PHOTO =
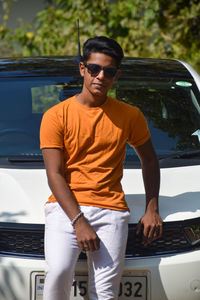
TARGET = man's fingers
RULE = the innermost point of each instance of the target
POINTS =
(151, 233)
(90, 244)
(87, 238)
(158, 230)
(151, 227)
(147, 236)
(146, 231)
(161, 230)
(139, 227)
(94, 244)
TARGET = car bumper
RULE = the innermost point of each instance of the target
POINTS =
(174, 277)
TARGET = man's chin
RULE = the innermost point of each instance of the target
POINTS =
(99, 93)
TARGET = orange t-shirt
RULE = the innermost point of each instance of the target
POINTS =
(94, 144)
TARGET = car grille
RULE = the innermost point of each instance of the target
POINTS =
(22, 239)
(174, 240)
(27, 240)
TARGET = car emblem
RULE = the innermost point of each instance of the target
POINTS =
(197, 132)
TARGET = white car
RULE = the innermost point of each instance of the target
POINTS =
(168, 93)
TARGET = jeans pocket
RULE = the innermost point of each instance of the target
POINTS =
(50, 208)
(56, 218)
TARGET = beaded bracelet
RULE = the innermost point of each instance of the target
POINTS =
(76, 218)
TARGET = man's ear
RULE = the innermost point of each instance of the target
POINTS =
(82, 68)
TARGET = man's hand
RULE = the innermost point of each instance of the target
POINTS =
(151, 225)
(87, 238)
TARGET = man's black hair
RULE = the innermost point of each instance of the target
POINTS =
(102, 44)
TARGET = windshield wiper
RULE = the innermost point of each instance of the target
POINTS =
(182, 155)
(25, 158)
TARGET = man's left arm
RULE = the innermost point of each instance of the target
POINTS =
(151, 222)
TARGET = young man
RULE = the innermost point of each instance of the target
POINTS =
(83, 140)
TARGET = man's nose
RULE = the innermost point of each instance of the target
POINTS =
(101, 74)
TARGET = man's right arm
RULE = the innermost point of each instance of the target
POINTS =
(54, 163)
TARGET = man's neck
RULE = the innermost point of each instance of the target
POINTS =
(89, 100)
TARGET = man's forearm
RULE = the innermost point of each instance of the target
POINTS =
(63, 194)
(151, 178)
(151, 223)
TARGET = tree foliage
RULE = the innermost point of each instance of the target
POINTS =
(144, 28)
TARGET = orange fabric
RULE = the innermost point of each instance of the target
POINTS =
(94, 144)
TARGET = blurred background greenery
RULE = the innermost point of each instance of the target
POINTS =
(144, 28)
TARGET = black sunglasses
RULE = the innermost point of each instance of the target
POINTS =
(94, 70)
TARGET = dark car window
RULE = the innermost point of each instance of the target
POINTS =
(22, 104)
(169, 101)
(172, 110)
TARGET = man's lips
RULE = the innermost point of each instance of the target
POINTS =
(98, 85)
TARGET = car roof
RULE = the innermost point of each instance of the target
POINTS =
(34, 66)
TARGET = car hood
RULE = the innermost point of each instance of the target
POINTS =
(24, 193)
(179, 193)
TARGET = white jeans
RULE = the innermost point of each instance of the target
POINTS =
(105, 265)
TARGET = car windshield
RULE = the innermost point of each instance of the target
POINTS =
(170, 105)
(22, 104)
(172, 109)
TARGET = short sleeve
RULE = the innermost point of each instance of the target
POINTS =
(51, 130)
(139, 131)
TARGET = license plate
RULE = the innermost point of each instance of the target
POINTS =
(132, 287)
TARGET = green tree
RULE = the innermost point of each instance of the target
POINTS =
(6, 46)
(179, 22)
(144, 28)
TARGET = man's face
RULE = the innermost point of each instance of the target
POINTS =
(99, 84)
